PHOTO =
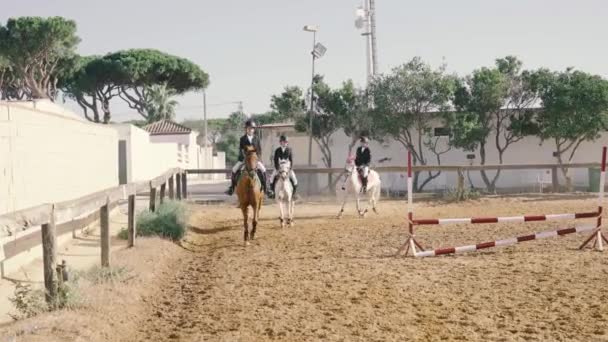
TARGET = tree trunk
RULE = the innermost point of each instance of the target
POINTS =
(482, 155)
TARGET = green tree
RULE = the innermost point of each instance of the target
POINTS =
(406, 104)
(36, 49)
(231, 130)
(143, 68)
(160, 105)
(289, 104)
(575, 109)
(12, 86)
(493, 101)
(93, 83)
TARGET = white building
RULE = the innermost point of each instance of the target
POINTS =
(529, 150)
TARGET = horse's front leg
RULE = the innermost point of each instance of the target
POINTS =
(245, 211)
(361, 213)
(291, 205)
(282, 211)
(256, 215)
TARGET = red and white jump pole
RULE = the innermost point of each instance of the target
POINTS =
(411, 242)
(597, 234)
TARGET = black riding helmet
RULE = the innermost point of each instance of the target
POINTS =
(364, 139)
(283, 138)
(250, 123)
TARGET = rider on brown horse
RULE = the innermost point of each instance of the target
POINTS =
(249, 139)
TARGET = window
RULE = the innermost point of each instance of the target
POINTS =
(441, 131)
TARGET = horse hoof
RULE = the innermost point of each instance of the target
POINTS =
(247, 243)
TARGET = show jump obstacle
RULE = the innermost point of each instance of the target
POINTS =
(597, 235)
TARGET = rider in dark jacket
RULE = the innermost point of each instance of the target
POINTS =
(284, 153)
(249, 139)
(362, 161)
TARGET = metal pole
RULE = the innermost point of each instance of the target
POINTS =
(368, 41)
(312, 83)
(372, 21)
(205, 122)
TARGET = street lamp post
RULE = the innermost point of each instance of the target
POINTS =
(318, 50)
(313, 29)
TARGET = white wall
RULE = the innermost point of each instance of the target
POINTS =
(49, 154)
(145, 160)
(526, 151)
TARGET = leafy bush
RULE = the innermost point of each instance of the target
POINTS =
(168, 221)
(30, 302)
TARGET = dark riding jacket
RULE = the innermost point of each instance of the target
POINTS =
(279, 154)
(244, 142)
(364, 156)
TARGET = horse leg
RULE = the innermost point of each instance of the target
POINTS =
(245, 211)
(342, 208)
(282, 218)
(291, 209)
(359, 206)
(256, 214)
(375, 197)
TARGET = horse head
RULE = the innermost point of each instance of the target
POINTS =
(251, 157)
(284, 168)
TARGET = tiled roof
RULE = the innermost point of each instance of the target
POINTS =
(166, 127)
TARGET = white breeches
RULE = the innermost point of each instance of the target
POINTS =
(239, 164)
(364, 170)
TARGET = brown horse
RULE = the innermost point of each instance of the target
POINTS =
(249, 192)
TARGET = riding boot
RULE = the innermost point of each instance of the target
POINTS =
(262, 176)
(295, 189)
(230, 190)
(271, 193)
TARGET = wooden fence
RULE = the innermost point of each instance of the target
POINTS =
(460, 169)
(48, 216)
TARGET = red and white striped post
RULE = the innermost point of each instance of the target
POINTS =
(598, 236)
(411, 242)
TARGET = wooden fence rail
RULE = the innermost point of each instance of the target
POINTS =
(48, 216)
(459, 169)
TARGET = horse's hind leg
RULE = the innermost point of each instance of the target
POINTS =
(342, 208)
(245, 211)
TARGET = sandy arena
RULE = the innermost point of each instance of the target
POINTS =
(330, 280)
(338, 280)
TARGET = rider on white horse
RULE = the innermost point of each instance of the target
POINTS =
(362, 161)
(281, 154)
(249, 139)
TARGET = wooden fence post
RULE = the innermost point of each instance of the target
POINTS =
(104, 222)
(171, 187)
(184, 185)
(152, 198)
(554, 179)
(131, 221)
(162, 192)
(49, 257)
(178, 186)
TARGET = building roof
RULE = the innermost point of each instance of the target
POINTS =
(166, 127)
(278, 125)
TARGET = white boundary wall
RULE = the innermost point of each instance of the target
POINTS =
(145, 160)
(49, 154)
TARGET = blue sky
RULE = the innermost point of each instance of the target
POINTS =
(252, 49)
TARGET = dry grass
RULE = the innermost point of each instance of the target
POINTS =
(109, 301)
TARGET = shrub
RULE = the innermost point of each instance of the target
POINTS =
(453, 195)
(168, 221)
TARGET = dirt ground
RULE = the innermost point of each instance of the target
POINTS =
(331, 280)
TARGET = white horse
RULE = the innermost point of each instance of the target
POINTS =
(284, 193)
(352, 186)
